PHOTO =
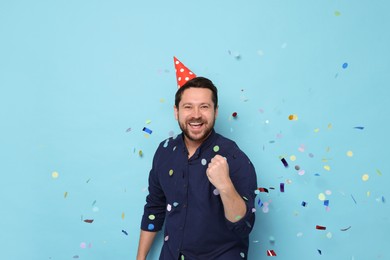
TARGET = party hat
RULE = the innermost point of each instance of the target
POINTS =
(183, 74)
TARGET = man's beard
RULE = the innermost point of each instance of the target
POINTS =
(184, 128)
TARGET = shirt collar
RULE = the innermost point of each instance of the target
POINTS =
(209, 140)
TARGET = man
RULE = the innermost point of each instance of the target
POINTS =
(201, 185)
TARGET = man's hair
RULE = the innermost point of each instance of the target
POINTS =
(198, 82)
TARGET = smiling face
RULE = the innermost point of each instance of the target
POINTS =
(196, 115)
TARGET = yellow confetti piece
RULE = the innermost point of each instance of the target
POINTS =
(321, 196)
(316, 130)
(349, 153)
(152, 217)
(170, 172)
(293, 117)
(365, 177)
(293, 158)
(140, 153)
(216, 148)
(148, 121)
(327, 167)
(368, 193)
(54, 175)
(330, 126)
(65, 194)
(337, 13)
(162, 100)
(146, 136)
(123, 215)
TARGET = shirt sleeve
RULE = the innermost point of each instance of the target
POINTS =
(243, 175)
(154, 210)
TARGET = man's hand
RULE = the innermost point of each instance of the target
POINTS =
(218, 173)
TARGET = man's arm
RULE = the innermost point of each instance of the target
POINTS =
(146, 239)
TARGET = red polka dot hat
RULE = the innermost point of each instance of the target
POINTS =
(183, 74)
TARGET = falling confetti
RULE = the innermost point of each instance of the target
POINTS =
(271, 253)
(345, 229)
(284, 162)
(123, 215)
(124, 232)
(65, 194)
(54, 175)
(88, 220)
(293, 117)
(349, 153)
(359, 127)
(345, 65)
(147, 130)
(365, 177)
(320, 227)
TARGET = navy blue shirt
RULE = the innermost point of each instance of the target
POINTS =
(181, 197)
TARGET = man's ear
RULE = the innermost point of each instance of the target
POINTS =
(176, 111)
(216, 112)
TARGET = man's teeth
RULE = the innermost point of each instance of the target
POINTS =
(195, 124)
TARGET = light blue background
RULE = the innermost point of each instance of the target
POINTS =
(75, 76)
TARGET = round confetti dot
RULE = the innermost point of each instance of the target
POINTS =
(349, 153)
(365, 177)
(321, 196)
(150, 226)
(152, 217)
(301, 172)
(169, 207)
(345, 65)
(265, 209)
(170, 172)
(83, 245)
(242, 255)
(267, 121)
(293, 158)
(203, 162)
(216, 192)
(329, 235)
(253, 210)
(327, 167)
(166, 238)
(288, 181)
(293, 117)
(257, 192)
(311, 155)
(328, 192)
(54, 175)
(234, 114)
(297, 167)
(337, 13)
(216, 148)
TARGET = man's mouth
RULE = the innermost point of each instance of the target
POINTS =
(196, 125)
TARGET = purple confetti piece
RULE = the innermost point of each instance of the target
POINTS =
(284, 162)
(282, 187)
